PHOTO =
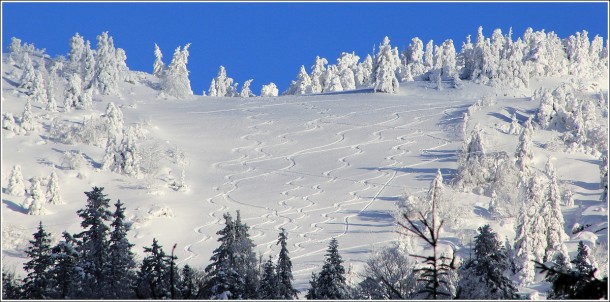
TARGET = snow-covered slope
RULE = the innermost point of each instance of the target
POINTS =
(320, 166)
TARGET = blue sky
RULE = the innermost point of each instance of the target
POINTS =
(270, 41)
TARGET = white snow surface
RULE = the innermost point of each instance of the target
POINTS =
(320, 166)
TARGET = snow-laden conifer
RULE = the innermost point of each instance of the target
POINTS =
(16, 186)
(73, 92)
(75, 56)
(158, 65)
(330, 282)
(106, 77)
(51, 105)
(53, 192)
(301, 86)
(318, 81)
(34, 202)
(27, 118)
(222, 85)
(28, 77)
(175, 81)
(65, 272)
(286, 290)
(121, 257)
(88, 66)
(384, 69)
(245, 90)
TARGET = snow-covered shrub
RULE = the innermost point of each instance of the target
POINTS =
(269, 90)
(74, 160)
(8, 121)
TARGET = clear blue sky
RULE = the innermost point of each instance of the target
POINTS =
(270, 41)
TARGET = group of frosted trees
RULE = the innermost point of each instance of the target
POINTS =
(35, 197)
(495, 61)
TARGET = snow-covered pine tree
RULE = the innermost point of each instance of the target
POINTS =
(222, 85)
(8, 122)
(429, 55)
(106, 77)
(364, 71)
(286, 291)
(347, 63)
(222, 278)
(553, 217)
(114, 119)
(14, 51)
(34, 202)
(85, 100)
(318, 81)
(568, 198)
(384, 69)
(484, 276)
(88, 66)
(514, 128)
(524, 265)
(73, 92)
(523, 154)
(75, 56)
(245, 90)
(175, 81)
(65, 272)
(158, 65)
(333, 80)
(330, 283)
(153, 280)
(268, 288)
(302, 85)
(36, 283)
(27, 118)
(127, 156)
(38, 91)
(28, 77)
(121, 258)
(51, 105)
(94, 244)
(16, 186)
(269, 90)
(449, 60)
(53, 192)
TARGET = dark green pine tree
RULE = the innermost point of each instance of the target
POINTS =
(66, 272)
(582, 262)
(11, 287)
(94, 244)
(561, 265)
(268, 289)
(188, 283)
(222, 278)
(312, 292)
(330, 284)
(284, 270)
(153, 280)
(122, 264)
(246, 263)
(36, 283)
(485, 276)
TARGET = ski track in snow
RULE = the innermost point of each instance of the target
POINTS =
(298, 211)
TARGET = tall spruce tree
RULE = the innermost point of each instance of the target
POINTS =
(330, 283)
(36, 283)
(484, 276)
(121, 257)
(222, 278)
(284, 269)
(246, 264)
(153, 281)
(66, 272)
(188, 286)
(94, 244)
(11, 287)
(269, 285)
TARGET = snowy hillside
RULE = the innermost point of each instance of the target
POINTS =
(330, 165)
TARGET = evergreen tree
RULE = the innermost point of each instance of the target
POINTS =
(175, 81)
(524, 153)
(27, 118)
(153, 281)
(114, 119)
(75, 56)
(284, 269)
(127, 155)
(35, 201)
(603, 175)
(384, 69)
(65, 272)
(36, 283)
(28, 78)
(302, 85)
(269, 285)
(105, 79)
(188, 283)
(582, 262)
(484, 276)
(16, 187)
(94, 244)
(330, 283)
(38, 91)
(245, 90)
(222, 277)
(318, 81)
(245, 261)
(553, 217)
(88, 66)
(158, 66)
(568, 198)
(53, 194)
(51, 100)
(269, 90)
(11, 287)
(73, 92)
(120, 256)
